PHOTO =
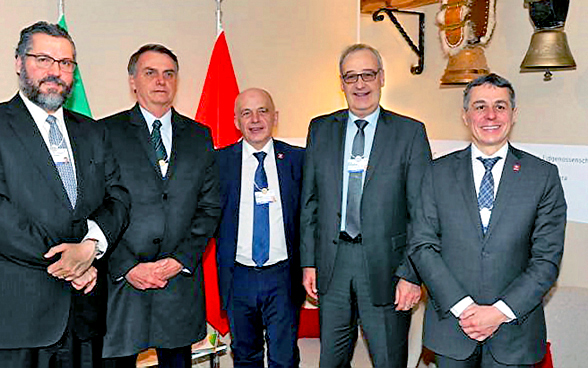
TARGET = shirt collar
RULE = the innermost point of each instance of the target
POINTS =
(249, 150)
(500, 153)
(38, 114)
(372, 118)
(150, 118)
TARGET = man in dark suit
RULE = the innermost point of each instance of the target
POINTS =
(488, 240)
(258, 239)
(61, 205)
(155, 285)
(362, 177)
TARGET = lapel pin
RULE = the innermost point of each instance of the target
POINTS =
(280, 156)
(516, 167)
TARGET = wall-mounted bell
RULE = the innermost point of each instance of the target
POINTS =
(549, 49)
(465, 66)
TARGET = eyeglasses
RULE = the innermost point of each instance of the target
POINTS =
(368, 76)
(46, 62)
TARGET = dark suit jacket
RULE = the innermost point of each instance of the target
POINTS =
(174, 218)
(35, 214)
(289, 161)
(517, 261)
(400, 153)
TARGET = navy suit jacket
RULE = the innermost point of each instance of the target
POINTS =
(289, 162)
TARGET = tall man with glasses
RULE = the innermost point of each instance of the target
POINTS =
(488, 240)
(155, 281)
(61, 206)
(362, 177)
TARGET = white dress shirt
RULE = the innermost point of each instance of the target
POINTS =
(350, 132)
(485, 214)
(166, 132)
(40, 117)
(278, 251)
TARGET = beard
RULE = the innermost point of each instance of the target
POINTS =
(48, 101)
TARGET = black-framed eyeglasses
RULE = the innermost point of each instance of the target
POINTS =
(46, 62)
(367, 76)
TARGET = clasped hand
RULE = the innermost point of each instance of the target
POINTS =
(153, 275)
(480, 322)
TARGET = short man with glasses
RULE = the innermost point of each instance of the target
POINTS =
(488, 240)
(155, 281)
(362, 177)
(62, 205)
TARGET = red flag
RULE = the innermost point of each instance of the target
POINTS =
(215, 110)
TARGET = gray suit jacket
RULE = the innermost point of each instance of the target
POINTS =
(174, 218)
(400, 153)
(517, 261)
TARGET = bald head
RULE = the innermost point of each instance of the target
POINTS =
(255, 116)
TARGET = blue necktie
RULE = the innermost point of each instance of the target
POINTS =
(65, 168)
(260, 215)
(355, 185)
(486, 193)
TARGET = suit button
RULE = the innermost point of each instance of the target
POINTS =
(484, 254)
(164, 196)
(156, 241)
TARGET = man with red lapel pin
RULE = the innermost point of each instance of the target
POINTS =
(258, 239)
(488, 240)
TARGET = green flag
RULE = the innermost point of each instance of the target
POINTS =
(77, 101)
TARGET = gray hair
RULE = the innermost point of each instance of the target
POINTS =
(493, 80)
(26, 37)
(358, 47)
(132, 67)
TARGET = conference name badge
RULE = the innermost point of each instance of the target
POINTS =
(59, 155)
(265, 196)
(357, 164)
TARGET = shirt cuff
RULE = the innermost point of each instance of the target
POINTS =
(505, 309)
(462, 305)
(95, 233)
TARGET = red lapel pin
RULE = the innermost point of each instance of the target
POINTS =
(280, 156)
(516, 167)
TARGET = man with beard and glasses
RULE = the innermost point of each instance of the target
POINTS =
(61, 206)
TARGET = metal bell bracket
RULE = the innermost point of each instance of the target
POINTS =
(420, 50)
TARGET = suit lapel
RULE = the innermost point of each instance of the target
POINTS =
(234, 195)
(384, 132)
(180, 143)
(465, 181)
(338, 151)
(143, 137)
(508, 183)
(27, 132)
(285, 181)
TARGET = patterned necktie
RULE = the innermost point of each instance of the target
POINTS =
(260, 215)
(355, 184)
(157, 142)
(486, 192)
(64, 166)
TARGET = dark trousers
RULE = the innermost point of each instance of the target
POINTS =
(261, 301)
(68, 352)
(166, 358)
(347, 304)
(481, 358)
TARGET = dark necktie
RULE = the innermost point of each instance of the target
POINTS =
(355, 184)
(486, 192)
(260, 215)
(65, 167)
(158, 142)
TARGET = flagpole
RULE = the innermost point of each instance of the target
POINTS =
(219, 17)
(61, 8)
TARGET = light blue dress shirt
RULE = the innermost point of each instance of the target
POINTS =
(351, 130)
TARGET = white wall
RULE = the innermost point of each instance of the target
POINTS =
(291, 48)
